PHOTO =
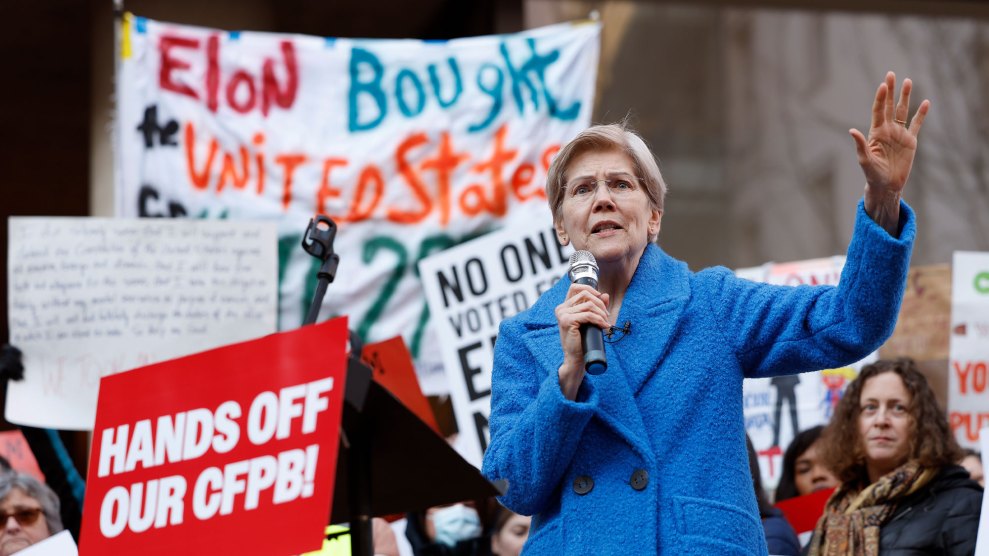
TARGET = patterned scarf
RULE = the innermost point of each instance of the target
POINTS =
(852, 518)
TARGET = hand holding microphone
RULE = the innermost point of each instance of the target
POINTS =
(582, 316)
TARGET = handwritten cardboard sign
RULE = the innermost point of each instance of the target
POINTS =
(968, 366)
(217, 447)
(924, 324)
(90, 297)
(471, 289)
(410, 146)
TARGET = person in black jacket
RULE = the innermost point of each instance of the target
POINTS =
(890, 445)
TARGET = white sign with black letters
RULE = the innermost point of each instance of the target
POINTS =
(470, 289)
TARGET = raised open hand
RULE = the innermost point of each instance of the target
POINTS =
(887, 155)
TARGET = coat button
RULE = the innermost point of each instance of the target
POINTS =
(639, 479)
(583, 484)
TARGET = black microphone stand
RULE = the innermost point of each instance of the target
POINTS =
(318, 242)
(320, 235)
(381, 441)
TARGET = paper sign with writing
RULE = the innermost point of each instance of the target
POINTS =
(218, 447)
(778, 408)
(471, 289)
(91, 297)
(410, 146)
(968, 365)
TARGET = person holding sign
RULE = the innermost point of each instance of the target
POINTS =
(650, 454)
(901, 492)
(28, 512)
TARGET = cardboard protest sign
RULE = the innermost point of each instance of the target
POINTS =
(410, 146)
(778, 408)
(471, 289)
(923, 326)
(216, 447)
(90, 297)
(968, 373)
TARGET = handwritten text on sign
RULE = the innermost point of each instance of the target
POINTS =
(410, 146)
(94, 297)
(216, 445)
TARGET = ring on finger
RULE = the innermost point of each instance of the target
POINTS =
(901, 122)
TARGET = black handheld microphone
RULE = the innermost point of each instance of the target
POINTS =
(584, 270)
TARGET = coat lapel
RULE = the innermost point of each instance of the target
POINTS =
(653, 304)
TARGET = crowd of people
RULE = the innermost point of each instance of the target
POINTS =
(649, 453)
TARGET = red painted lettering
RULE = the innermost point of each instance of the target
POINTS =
(259, 160)
(170, 63)
(370, 177)
(972, 375)
(445, 162)
(242, 91)
(229, 170)
(498, 203)
(969, 422)
(242, 80)
(270, 89)
(289, 163)
(412, 180)
(327, 191)
(212, 72)
(199, 179)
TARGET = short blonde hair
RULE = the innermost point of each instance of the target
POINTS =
(606, 138)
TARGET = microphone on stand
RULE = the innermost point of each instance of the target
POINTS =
(584, 270)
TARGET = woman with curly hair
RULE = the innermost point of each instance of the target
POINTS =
(901, 492)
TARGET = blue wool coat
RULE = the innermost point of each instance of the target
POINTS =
(650, 458)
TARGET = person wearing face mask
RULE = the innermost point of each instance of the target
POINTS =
(803, 467)
(901, 493)
(29, 512)
(453, 530)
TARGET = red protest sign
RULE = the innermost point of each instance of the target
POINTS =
(393, 369)
(217, 447)
(15, 448)
(803, 511)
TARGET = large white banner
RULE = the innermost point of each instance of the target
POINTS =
(471, 289)
(410, 146)
(90, 297)
(778, 408)
(968, 365)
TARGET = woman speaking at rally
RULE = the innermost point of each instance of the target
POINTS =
(649, 456)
